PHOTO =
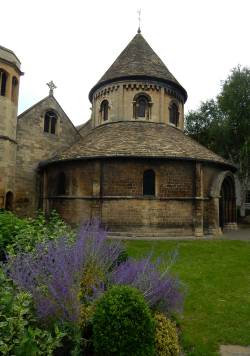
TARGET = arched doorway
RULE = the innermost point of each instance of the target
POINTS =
(227, 203)
(9, 201)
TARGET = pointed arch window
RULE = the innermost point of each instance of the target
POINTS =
(50, 122)
(3, 82)
(61, 184)
(149, 182)
(104, 109)
(173, 114)
(142, 106)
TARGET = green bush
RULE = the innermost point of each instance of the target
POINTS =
(10, 226)
(19, 331)
(17, 234)
(166, 338)
(122, 324)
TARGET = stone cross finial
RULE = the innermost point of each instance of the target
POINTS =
(51, 86)
(139, 19)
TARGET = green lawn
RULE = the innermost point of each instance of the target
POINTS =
(217, 279)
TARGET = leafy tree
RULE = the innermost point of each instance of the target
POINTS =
(206, 126)
(223, 125)
(234, 101)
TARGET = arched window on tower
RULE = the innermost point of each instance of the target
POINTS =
(149, 182)
(3, 82)
(104, 109)
(61, 184)
(142, 106)
(50, 122)
(14, 90)
(173, 114)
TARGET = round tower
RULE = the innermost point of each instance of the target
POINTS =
(138, 87)
(9, 87)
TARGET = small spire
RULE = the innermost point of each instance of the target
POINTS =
(51, 86)
(139, 19)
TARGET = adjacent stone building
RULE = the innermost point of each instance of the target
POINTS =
(131, 166)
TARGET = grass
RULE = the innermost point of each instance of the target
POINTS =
(217, 303)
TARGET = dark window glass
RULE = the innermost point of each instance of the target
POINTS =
(149, 182)
(105, 110)
(248, 197)
(61, 184)
(174, 114)
(46, 123)
(50, 121)
(9, 201)
(14, 89)
(142, 106)
(3, 81)
(53, 125)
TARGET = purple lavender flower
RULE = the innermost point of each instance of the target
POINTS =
(161, 290)
(52, 274)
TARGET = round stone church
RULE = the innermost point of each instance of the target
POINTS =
(135, 170)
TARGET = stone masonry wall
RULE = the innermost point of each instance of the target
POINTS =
(35, 145)
(8, 122)
(112, 190)
(121, 95)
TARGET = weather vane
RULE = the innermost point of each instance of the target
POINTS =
(139, 19)
(51, 86)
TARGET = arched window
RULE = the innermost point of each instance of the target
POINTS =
(227, 202)
(142, 106)
(61, 184)
(14, 89)
(9, 201)
(149, 182)
(104, 109)
(174, 114)
(3, 82)
(50, 122)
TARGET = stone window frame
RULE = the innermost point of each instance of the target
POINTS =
(48, 128)
(148, 109)
(3, 86)
(174, 103)
(104, 110)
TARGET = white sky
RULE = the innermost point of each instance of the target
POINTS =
(74, 42)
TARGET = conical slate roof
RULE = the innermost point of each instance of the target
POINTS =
(137, 139)
(138, 60)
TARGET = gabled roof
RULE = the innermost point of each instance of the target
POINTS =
(138, 139)
(47, 98)
(138, 60)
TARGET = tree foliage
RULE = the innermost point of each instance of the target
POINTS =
(223, 124)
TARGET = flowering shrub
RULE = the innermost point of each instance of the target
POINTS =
(122, 324)
(166, 338)
(55, 271)
(67, 275)
(161, 290)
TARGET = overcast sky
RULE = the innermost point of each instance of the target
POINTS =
(74, 42)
